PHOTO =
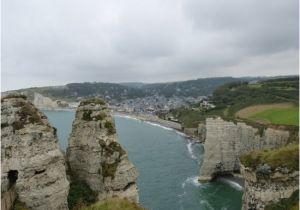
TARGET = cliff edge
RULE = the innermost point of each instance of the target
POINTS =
(227, 141)
(94, 155)
(271, 179)
(32, 165)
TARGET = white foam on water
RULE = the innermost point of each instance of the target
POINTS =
(158, 125)
(190, 149)
(207, 204)
(127, 116)
(181, 134)
(233, 184)
(191, 180)
(180, 195)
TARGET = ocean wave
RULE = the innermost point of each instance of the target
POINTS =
(180, 195)
(233, 184)
(158, 125)
(207, 204)
(127, 116)
(190, 149)
(191, 180)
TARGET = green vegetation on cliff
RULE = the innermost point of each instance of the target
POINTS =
(114, 204)
(231, 98)
(18, 205)
(235, 96)
(287, 157)
(291, 203)
(80, 195)
(94, 101)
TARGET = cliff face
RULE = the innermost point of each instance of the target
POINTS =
(226, 141)
(95, 156)
(43, 102)
(262, 191)
(31, 161)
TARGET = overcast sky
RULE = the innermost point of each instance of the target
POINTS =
(54, 42)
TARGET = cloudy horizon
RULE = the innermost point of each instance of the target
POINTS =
(55, 42)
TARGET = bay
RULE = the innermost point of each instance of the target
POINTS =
(168, 165)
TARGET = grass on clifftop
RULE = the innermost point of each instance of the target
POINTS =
(92, 100)
(287, 156)
(283, 116)
(114, 204)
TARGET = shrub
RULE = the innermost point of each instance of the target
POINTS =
(80, 195)
(30, 113)
(291, 203)
(18, 205)
(112, 147)
(115, 204)
(100, 116)
(87, 115)
(13, 95)
(92, 101)
(17, 125)
(4, 125)
(109, 169)
(283, 157)
(110, 127)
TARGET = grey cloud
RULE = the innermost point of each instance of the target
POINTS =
(55, 42)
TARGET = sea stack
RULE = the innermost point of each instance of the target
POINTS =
(94, 155)
(33, 166)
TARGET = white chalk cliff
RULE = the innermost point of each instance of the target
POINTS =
(31, 162)
(227, 141)
(95, 156)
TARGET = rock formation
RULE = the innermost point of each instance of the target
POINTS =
(31, 161)
(261, 191)
(226, 141)
(43, 102)
(95, 156)
(271, 178)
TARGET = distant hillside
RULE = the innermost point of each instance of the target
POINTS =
(194, 88)
(110, 91)
(235, 96)
(274, 101)
(75, 91)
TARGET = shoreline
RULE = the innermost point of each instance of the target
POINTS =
(154, 120)
(58, 109)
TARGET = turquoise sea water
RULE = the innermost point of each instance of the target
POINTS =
(168, 164)
(62, 120)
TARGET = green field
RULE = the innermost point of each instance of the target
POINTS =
(280, 116)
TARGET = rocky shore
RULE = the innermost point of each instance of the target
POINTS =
(164, 123)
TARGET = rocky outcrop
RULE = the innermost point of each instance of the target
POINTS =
(31, 161)
(226, 141)
(95, 156)
(202, 132)
(265, 190)
(43, 102)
